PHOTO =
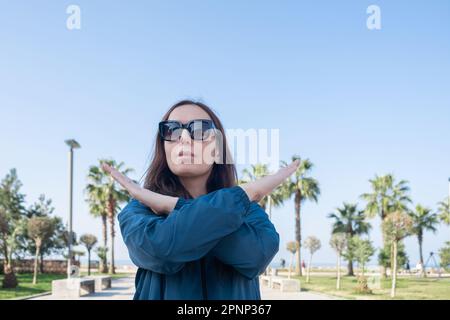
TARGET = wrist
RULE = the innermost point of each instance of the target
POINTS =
(251, 192)
(136, 192)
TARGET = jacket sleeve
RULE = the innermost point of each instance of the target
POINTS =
(164, 243)
(251, 248)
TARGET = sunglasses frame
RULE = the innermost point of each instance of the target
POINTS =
(182, 126)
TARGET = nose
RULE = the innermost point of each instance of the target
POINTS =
(185, 136)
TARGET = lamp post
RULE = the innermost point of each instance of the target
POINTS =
(73, 145)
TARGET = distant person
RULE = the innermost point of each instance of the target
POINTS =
(419, 268)
(283, 263)
(407, 268)
(192, 231)
(303, 267)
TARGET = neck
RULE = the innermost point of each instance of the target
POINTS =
(196, 186)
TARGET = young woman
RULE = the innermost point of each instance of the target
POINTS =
(193, 233)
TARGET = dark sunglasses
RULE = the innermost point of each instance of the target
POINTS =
(199, 129)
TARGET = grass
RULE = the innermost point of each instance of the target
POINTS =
(44, 284)
(26, 288)
(408, 288)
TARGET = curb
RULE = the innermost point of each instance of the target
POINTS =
(33, 296)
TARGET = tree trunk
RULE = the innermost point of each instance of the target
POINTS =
(423, 273)
(290, 265)
(104, 261)
(41, 262)
(9, 278)
(391, 259)
(111, 208)
(36, 264)
(350, 271)
(394, 270)
(309, 269)
(383, 241)
(89, 262)
(338, 282)
(298, 235)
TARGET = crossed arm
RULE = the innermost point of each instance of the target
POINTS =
(228, 223)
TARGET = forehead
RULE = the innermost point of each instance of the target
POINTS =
(187, 113)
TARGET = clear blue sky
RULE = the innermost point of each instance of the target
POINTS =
(356, 102)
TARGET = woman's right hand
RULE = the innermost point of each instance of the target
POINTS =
(160, 204)
(258, 189)
(132, 187)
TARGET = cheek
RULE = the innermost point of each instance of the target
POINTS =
(169, 149)
(205, 150)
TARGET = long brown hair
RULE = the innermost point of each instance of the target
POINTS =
(159, 178)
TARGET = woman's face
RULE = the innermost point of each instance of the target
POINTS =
(187, 157)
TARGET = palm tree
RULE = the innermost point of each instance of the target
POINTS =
(98, 207)
(275, 198)
(89, 241)
(292, 247)
(312, 244)
(338, 242)
(386, 197)
(67, 235)
(303, 187)
(106, 196)
(349, 221)
(396, 226)
(423, 219)
(102, 253)
(444, 211)
(40, 229)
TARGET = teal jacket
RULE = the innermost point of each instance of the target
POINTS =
(212, 247)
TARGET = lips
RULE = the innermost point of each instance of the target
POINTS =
(185, 154)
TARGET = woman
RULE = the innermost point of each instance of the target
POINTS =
(193, 233)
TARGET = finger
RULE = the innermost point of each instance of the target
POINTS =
(290, 169)
(120, 178)
(106, 167)
(294, 164)
(116, 175)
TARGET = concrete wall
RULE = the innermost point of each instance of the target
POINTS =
(50, 266)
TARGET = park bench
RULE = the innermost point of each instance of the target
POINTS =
(281, 283)
(101, 282)
(72, 288)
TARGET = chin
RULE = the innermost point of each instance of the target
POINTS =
(190, 170)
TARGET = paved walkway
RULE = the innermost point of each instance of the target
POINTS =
(123, 289)
(272, 294)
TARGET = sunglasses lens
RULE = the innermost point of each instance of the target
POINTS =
(170, 131)
(198, 129)
(201, 129)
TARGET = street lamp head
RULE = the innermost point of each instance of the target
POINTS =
(73, 144)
